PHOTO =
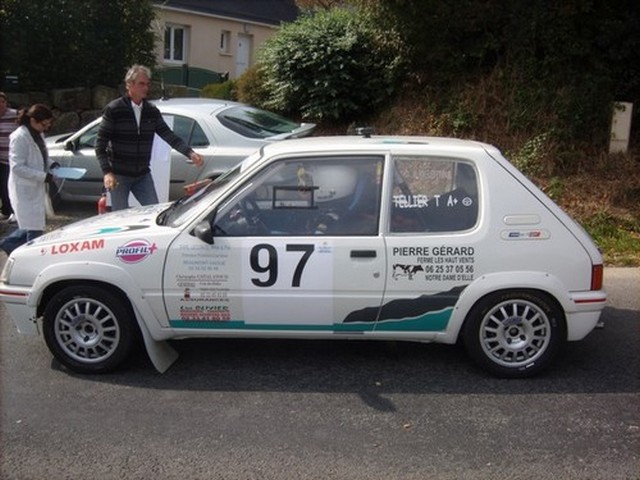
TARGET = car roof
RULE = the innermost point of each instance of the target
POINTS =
(204, 106)
(346, 144)
(374, 143)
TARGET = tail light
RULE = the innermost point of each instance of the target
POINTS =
(597, 275)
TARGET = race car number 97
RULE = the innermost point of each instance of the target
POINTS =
(267, 263)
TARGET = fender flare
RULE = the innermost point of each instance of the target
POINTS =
(494, 282)
(160, 352)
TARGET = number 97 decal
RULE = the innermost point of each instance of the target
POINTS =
(263, 260)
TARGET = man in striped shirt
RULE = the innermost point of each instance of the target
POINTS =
(125, 140)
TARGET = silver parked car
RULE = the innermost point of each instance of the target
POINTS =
(223, 132)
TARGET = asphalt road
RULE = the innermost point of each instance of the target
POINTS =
(240, 409)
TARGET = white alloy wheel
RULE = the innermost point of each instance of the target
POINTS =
(514, 333)
(88, 329)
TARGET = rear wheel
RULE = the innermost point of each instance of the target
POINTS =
(89, 329)
(514, 334)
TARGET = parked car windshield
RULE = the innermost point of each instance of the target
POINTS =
(254, 123)
(181, 209)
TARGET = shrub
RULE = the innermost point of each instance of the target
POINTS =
(330, 64)
(71, 43)
(250, 87)
(531, 157)
(224, 90)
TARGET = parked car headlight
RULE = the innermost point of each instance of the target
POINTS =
(6, 271)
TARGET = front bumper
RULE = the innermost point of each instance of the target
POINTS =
(15, 300)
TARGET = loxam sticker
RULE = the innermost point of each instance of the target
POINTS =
(135, 251)
(74, 247)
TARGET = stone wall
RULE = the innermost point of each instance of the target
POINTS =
(73, 108)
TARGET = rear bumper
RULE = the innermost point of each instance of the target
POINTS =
(586, 313)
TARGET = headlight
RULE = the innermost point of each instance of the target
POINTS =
(6, 271)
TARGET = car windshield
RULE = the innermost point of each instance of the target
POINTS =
(181, 209)
(254, 123)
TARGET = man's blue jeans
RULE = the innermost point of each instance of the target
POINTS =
(18, 237)
(142, 188)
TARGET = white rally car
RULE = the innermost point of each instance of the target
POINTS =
(391, 238)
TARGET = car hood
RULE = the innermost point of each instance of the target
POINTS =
(123, 222)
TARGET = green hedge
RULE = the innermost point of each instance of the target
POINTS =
(331, 64)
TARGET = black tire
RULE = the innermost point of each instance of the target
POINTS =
(515, 334)
(89, 329)
(54, 195)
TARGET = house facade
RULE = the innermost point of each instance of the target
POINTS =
(219, 35)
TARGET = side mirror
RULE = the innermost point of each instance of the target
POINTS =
(203, 232)
(70, 146)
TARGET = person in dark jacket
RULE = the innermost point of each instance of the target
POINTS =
(125, 139)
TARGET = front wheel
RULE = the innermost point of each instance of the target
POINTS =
(89, 329)
(514, 334)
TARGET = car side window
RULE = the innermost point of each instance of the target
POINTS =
(88, 138)
(190, 131)
(198, 137)
(338, 195)
(432, 194)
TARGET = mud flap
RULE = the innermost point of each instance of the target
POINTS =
(161, 354)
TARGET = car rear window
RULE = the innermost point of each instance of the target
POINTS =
(255, 123)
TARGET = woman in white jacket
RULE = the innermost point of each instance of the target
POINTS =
(29, 173)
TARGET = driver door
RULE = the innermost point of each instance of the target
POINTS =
(296, 249)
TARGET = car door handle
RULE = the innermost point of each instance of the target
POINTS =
(363, 253)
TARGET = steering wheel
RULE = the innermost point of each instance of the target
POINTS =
(250, 211)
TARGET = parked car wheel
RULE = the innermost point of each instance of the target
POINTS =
(514, 334)
(89, 329)
(54, 195)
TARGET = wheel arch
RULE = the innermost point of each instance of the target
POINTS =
(53, 288)
(115, 280)
(512, 290)
(109, 277)
(539, 282)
